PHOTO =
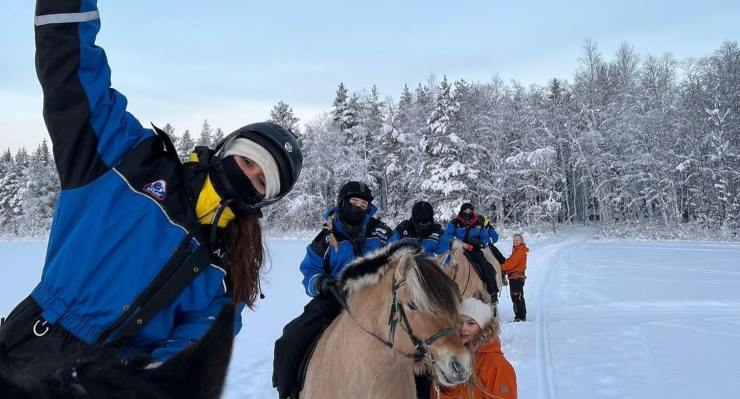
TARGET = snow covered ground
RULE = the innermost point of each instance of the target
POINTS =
(608, 319)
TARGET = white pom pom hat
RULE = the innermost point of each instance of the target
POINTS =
(477, 310)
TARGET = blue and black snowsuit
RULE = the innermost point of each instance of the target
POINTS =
(329, 253)
(434, 242)
(474, 233)
(124, 231)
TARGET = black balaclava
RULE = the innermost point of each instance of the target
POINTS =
(466, 216)
(351, 214)
(242, 185)
(422, 216)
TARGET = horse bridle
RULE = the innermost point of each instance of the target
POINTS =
(398, 316)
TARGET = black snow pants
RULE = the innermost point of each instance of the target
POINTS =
(26, 340)
(516, 288)
(298, 337)
(486, 272)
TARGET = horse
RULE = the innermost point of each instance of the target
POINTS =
(400, 318)
(197, 372)
(461, 270)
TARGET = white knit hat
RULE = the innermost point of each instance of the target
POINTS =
(249, 149)
(477, 310)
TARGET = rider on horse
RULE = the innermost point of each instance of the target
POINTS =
(422, 229)
(350, 231)
(468, 227)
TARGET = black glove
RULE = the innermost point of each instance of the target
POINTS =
(475, 242)
(324, 284)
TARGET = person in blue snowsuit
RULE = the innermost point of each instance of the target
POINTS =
(143, 251)
(350, 231)
(421, 229)
(469, 228)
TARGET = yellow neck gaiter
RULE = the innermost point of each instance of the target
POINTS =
(208, 203)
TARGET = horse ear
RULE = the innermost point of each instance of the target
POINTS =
(405, 263)
(12, 390)
(199, 371)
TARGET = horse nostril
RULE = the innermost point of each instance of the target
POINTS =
(456, 367)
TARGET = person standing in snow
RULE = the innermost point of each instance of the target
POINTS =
(350, 231)
(515, 268)
(494, 376)
(468, 227)
(143, 251)
(421, 229)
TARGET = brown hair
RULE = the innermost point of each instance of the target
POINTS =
(245, 252)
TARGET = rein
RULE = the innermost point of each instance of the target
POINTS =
(398, 316)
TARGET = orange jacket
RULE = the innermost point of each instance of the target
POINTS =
(495, 374)
(515, 266)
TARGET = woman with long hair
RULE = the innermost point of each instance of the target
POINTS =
(144, 250)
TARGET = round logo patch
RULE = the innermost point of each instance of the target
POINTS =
(288, 147)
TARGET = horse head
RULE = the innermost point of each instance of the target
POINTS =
(198, 372)
(407, 302)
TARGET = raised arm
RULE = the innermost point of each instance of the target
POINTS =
(87, 120)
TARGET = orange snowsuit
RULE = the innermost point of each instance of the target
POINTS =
(495, 374)
(515, 266)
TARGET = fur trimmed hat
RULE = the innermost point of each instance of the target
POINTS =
(477, 310)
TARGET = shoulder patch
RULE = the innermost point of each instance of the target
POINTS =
(157, 189)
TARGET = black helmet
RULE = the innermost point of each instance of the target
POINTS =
(422, 212)
(354, 189)
(280, 143)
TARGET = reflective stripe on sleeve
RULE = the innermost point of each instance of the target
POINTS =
(67, 18)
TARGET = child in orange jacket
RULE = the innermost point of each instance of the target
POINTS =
(494, 376)
(514, 268)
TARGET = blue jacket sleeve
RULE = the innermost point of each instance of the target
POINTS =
(193, 326)
(484, 237)
(449, 233)
(87, 120)
(312, 267)
(444, 244)
(493, 234)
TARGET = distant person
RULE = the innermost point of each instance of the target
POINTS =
(350, 231)
(422, 229)
(515, 267)
(494, 375)
(468, 227)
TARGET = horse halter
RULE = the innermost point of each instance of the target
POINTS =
(398, 316)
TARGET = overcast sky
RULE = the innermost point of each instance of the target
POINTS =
(231, 61)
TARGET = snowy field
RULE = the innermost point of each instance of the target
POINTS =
(608, 319)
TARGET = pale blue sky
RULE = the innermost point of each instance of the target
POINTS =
(230, 61)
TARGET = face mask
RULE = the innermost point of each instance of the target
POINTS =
(244, 190)
(352, 214)
(423, 227)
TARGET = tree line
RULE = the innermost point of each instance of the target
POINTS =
(628, 140)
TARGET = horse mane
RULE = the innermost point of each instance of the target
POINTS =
(367, 270)
(430, 288)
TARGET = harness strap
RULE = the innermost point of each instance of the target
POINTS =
(165, 288)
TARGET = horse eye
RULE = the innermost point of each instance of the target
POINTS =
(412, 306)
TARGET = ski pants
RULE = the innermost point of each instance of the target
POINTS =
(27, 340)
(485, 271)
(298, 337)
(516, 289)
